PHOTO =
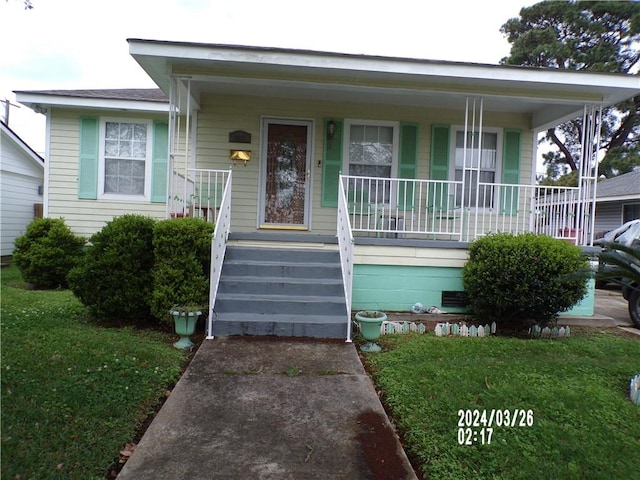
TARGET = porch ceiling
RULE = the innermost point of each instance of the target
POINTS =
(548, 96)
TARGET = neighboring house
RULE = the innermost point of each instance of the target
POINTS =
(21, 184)
(404, 161)
(617, 201)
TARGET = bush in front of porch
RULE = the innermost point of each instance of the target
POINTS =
(113, 280)
(136, 268)
(182, 248)
(519, 279)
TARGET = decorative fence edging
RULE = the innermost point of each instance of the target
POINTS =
(634, 389)
(387, 327)
(462, 330)
(547, 332)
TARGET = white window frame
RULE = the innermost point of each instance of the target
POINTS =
(349, 122)
(499, 157)
(146, 197)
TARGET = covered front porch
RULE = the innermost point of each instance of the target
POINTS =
(433, 150)
(474, 180)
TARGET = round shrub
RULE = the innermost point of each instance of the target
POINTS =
(523, 278)
(182, 249)
(46, 252)
(114, 277)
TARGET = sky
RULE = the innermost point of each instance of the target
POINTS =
(81, 44)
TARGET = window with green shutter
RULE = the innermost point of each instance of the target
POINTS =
(491, 158)
(123, 159)
(374, 149)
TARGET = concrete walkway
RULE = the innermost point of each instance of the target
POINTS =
(264, 408)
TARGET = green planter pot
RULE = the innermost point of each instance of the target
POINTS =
(370, 323)
(185, 325)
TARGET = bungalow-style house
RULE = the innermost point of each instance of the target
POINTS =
(617, 201)
(21, 183)
(336, 182)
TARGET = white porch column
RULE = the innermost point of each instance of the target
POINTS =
(588, 174)
(181, 157)
(473, 118)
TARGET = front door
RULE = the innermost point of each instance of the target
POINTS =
(285, 163)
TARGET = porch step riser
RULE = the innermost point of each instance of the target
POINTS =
(255, 286)
(283, 255)
(284, 307)
(262, 269)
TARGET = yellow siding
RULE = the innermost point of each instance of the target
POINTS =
(84, 217)
(220, 115)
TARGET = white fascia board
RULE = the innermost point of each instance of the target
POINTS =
(32, 100)
(611, 87)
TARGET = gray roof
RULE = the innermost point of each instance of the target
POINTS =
(139, 94)
(622, 185)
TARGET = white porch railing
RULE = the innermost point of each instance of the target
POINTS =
(345, 244)
(441, 210)
(219, 247)
(198, 194)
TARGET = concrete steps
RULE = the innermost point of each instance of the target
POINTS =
(295, 292)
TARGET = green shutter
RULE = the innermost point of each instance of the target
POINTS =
(88, 161)
(408, 164)
(510, 171)
(159, 162)
(331, 164)
(439, 168)
(439, 152)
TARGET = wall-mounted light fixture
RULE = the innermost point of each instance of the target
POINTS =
(331, 129)
(242, 155)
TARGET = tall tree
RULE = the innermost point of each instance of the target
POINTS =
(584, 35)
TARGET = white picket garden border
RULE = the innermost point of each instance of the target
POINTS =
(634, 389)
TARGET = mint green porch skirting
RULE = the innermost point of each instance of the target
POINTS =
(396, 288)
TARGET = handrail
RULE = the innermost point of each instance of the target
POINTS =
(345, 244)
(199, 194)
(218, 249)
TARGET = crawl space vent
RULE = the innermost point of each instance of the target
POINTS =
(454, 299)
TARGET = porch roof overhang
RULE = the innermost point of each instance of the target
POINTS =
(548, 96)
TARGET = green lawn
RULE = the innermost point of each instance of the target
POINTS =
(584, 426)
(72, 393)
